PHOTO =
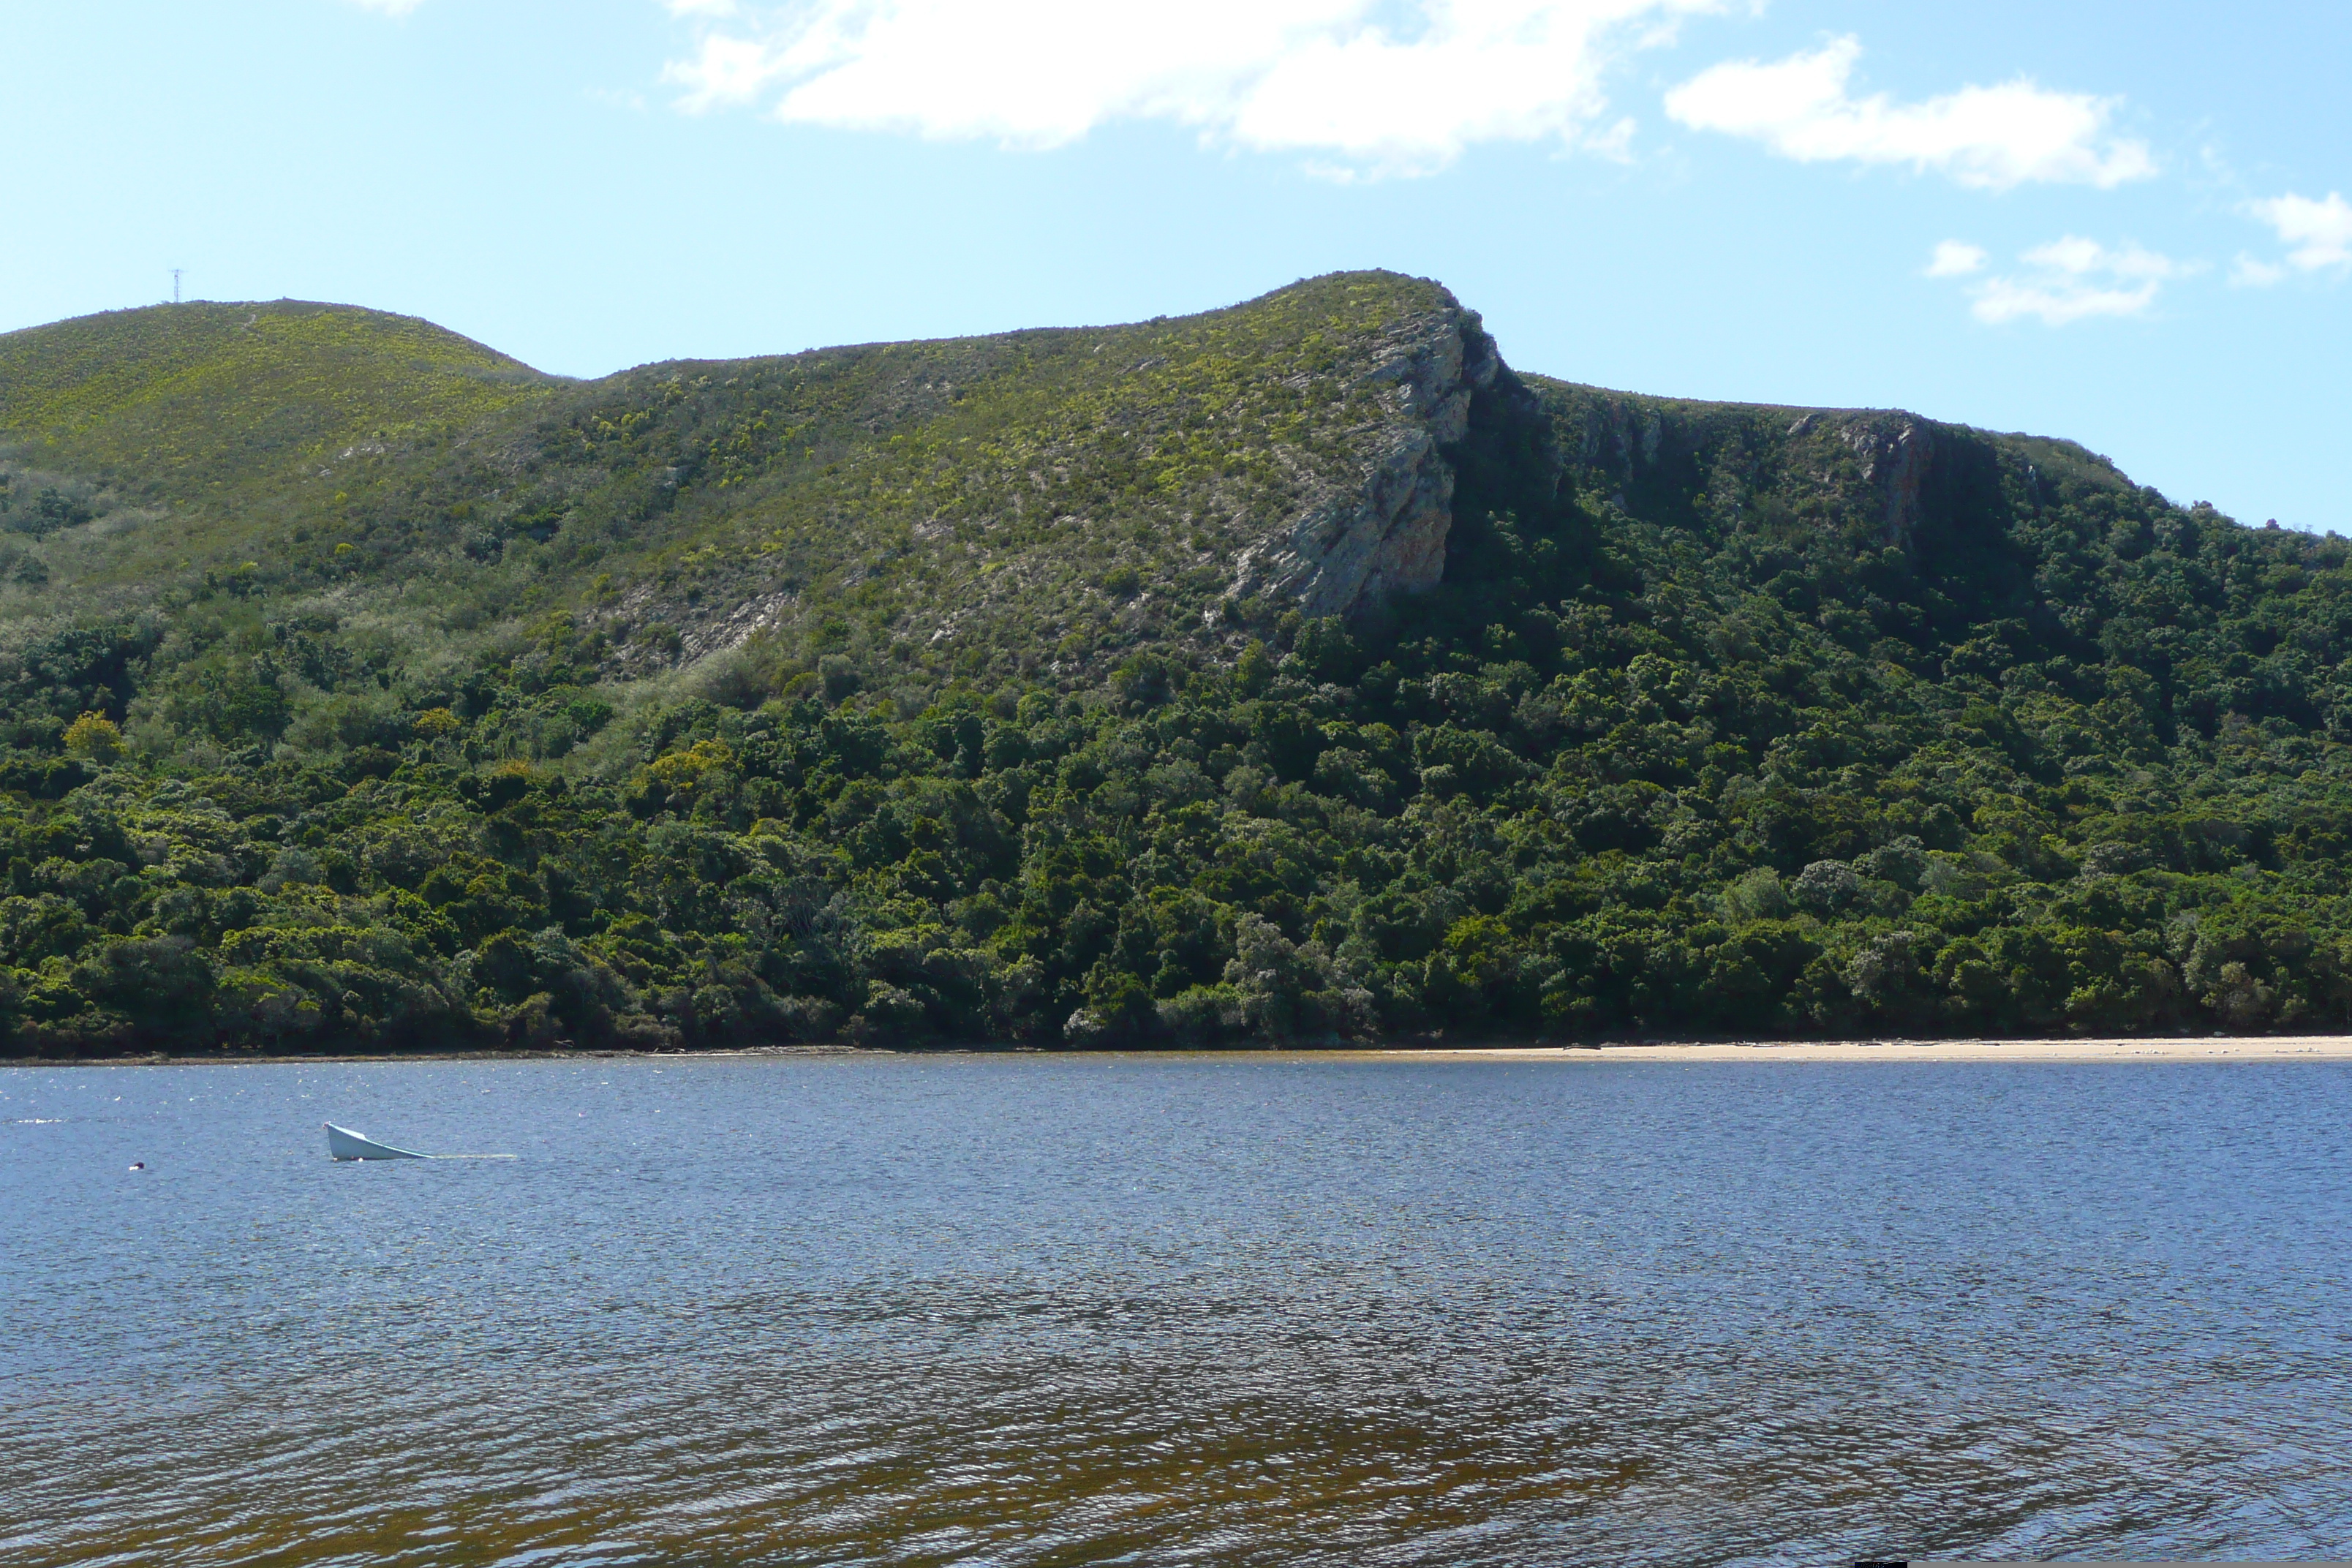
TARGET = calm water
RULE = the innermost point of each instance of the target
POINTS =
(1015, 1310)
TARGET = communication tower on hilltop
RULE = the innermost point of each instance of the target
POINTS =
(175, 285)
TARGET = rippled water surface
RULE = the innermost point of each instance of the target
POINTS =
(1266, 1309)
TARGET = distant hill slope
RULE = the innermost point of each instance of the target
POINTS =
(1048, 497)
(176, 401)
(1295, 670)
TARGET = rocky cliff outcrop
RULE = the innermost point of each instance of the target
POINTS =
(1350, 550)
(1866, 469)
(1896, 452)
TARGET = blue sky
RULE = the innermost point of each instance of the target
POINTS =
(2126, 224)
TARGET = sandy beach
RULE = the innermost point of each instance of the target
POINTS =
(2218, 1048)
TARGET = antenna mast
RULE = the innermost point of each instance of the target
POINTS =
(175, 285)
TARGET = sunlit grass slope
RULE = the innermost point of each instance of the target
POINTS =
(221, 403)
(1035, 498)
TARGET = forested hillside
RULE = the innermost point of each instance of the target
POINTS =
(1293, 672)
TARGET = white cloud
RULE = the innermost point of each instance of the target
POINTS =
(2073, 279)
(1388, 86)
(1992, 137)
(1955, 258)
(2320, 233)
(2246, 272)
(729, 70)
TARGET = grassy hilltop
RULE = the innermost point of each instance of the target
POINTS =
(1090, 485)
(1290, 671)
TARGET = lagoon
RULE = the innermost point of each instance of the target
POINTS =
(1030, 1310)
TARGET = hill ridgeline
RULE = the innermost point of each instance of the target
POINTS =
(1293, 672)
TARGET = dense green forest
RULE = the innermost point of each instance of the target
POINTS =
(363, 689)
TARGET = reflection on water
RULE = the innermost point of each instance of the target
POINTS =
(1015, 1310)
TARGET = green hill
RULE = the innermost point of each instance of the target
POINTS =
(1295, 670)
(217, 407)
(966, 495)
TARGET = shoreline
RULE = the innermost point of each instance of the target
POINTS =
(2179, 1048)
(2114, 1048)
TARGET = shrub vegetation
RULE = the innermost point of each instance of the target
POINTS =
(363, 689)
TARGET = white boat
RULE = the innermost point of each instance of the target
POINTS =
(342, 1143)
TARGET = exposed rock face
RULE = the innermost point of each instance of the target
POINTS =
(1735, 454)
(1896, 452)
(1351, 550)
